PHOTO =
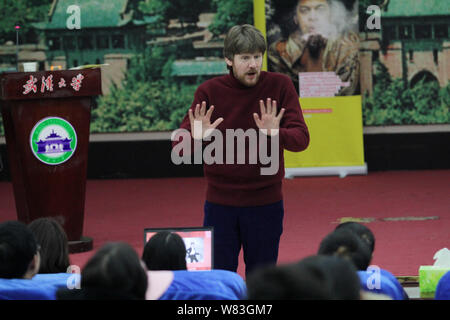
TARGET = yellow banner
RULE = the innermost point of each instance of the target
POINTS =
(336, 130)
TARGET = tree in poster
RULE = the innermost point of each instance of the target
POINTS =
(184, 10)
(392, 104)
(22, 13)
(151, 99)
(230, 13)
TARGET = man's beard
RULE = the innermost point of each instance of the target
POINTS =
(249, 82)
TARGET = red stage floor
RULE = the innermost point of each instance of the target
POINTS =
(409, 212)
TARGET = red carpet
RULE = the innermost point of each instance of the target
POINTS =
(419, 202)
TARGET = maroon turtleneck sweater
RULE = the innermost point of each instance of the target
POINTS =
(242, 184)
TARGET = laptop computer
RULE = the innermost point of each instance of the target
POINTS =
(198, 242)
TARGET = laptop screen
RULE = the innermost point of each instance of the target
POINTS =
(198, 242)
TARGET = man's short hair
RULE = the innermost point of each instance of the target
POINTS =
(346, 244)
(243, 39)
(17, 249)
(361, 230)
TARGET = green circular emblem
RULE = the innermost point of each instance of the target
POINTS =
(53, 140)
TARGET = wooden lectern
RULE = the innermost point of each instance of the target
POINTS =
(46, 116)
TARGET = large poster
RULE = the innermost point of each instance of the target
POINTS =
(406, 64)
(153, 54)
(316, 43)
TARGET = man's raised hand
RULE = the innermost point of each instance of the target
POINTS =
(200, 120)
(269, 122)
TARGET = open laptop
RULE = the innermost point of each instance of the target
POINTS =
(198, 242)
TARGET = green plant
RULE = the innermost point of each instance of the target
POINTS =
(150, 99)
(230, 13)
(391, 104)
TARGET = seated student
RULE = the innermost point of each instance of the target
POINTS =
(113, 272)
(196, 285)
(377, 283)
(54, 245)
(348, 245)
(19, 262)
(361, 230)
(342, 275)
(165, 251)
(286, 282)
(313, 278)
(19, 251)
(165, 257)
(367, 236)
(443, 288)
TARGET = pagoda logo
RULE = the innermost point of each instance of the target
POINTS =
(53, 140)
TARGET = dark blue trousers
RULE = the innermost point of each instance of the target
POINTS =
(256, 229)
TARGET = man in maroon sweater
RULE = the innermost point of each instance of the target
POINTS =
(243, 202)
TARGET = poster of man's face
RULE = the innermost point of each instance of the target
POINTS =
(318, 36)
(313, 17)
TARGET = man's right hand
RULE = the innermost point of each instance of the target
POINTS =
(200, 120)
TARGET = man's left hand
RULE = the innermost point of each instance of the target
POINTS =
(269, 122)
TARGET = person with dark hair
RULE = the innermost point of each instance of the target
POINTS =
(114, 272)
(287, 282)
(361, 230)
(443, 287)
(366, 235)
(244, 201)
(165, 251)
(346, 244)
(54, 245)
(19, 251)
(342, 274)
(313, 278)
(317, 35)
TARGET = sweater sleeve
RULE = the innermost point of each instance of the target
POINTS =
(294, 134)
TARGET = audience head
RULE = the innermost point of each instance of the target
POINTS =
(362, 231)
(19, 251)
(346, 244)
(165, 251)
(54, 245)
(341, 274)
(114, 272)
(313, 278)
(443, 288)
(287, 282)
